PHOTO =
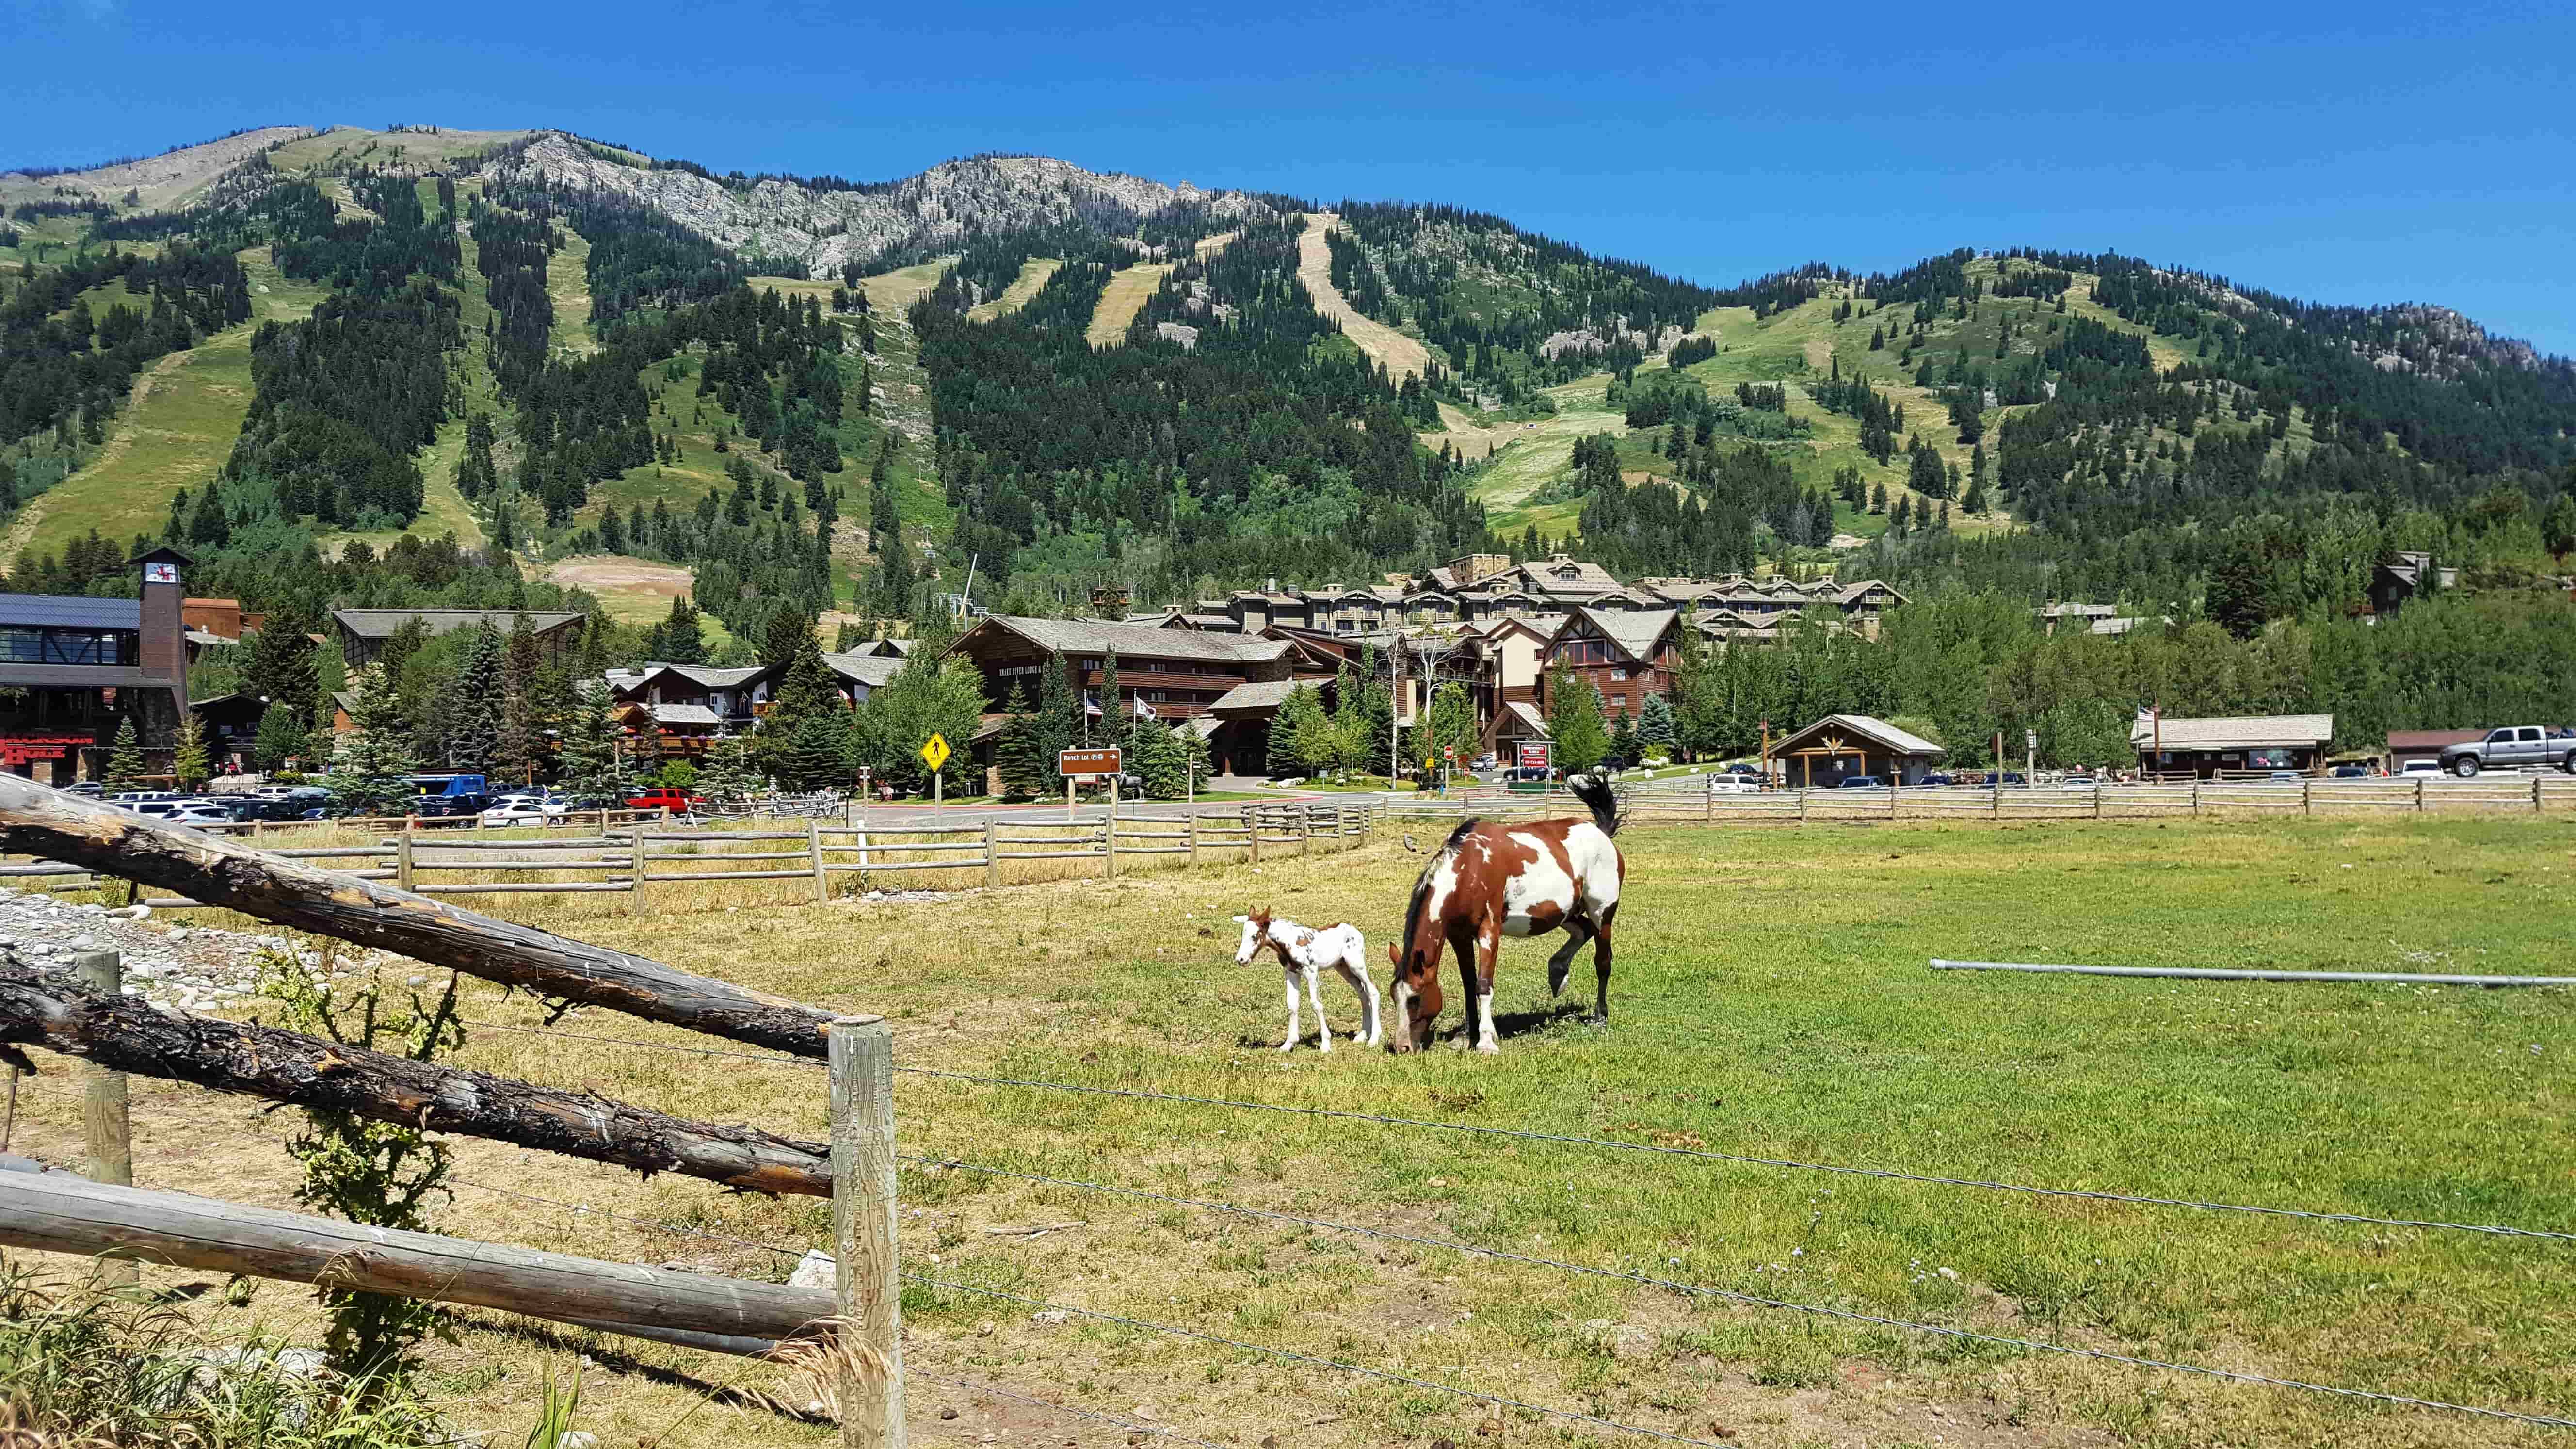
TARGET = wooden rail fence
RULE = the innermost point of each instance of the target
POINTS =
(1688, 801)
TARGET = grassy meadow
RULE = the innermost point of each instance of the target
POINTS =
(1771, 1000)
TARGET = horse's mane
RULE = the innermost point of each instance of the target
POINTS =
(1422, 882)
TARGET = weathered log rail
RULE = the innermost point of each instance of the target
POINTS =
(57, 1212)
(38, 820)
(121, 1033)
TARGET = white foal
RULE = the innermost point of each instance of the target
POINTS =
(1303, 952)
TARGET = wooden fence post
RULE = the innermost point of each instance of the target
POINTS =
(635, 869)
(1252, 831)
(2535, 794)
(863, 1226)
(1305, 831)
(1802, 807)
(1193, 819)
(814, 847)
(1109, 840)
(2419, 794)
(1893, 790)
(104, 1121)
(2195, 797)
(402, 860)
(2097, 799)
(2307, 797)
(992, 852)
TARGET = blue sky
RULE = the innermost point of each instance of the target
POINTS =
(2358, 152)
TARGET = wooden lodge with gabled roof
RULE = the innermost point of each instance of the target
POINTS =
(1841, 747)
(1624, 654)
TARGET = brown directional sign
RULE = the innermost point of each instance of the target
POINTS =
(1087, 762)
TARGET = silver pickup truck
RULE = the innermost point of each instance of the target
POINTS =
(2514, 747)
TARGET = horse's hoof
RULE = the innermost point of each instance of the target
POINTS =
(1488, 1049)
(1594, 1018)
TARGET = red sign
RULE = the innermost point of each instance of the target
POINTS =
(1449, 753)
(20, 749)
(1087, 762)
(1534, 754)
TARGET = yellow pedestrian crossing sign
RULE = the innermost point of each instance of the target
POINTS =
(935, 753)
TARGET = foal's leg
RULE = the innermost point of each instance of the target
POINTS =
(1323, 1028)
(1601, 964)
(1354, 969)
(1290, 977)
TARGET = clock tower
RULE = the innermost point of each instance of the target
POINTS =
(163, 697)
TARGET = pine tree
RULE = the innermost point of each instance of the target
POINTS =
(280, 738)
(729, 776)
(124, 758)
(1055, 726)
(1296, 712)
(374, 758)
(1878, 497)
(1975, 502)
(471, 730)
(189, 763)
(804, 738)
(1155, 755)
(592, 766)
(519, 750)
(1623, 738)
(1656, 733)
(1015, 749)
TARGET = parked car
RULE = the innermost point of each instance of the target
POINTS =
(662, 798)
(1484, 761)
(446, 807)
(521, 810)
(2512, 747)
(1753, 772)
(1937, 778)
(1864, 782)
(2283, 777)
(259, 807)
(91, 788)
(1519, 774)
(2351, 772)
(2418, 769)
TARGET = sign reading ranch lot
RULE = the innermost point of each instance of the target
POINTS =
(1087, 762)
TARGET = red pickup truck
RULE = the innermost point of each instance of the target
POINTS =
(663, 798)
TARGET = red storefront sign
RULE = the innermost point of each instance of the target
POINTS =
(23, 749)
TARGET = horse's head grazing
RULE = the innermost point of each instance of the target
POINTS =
(1256, 928)
(1416, 956)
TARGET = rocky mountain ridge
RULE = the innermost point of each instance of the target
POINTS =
(827, 228)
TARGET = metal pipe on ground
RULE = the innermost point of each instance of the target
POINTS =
(2199, 973)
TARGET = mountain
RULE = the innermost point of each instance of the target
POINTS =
(614, 375)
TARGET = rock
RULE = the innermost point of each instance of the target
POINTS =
(1619, 1340)
(82, 942)
(577, 1439)
(817, 1269)
(948, 1413)
(1050, 1315)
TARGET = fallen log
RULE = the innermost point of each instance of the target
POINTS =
(57, 1212)
(39, 820)
(123, 1034)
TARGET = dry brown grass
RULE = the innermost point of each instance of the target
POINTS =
(1129, 289)
(1403, 356)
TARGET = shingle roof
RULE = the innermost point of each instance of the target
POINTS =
(1876, 729)
(688, 714)
(1094, 636)
(71, 611)
(1255, 694)
(1633, 630)
(2242, 732)
(707, 677)
(381, 623)
(872, 670)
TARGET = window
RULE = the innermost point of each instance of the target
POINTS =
(1618, 702)
(1620, 672)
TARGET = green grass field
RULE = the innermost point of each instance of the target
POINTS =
(1771, 1000)
(175, 435)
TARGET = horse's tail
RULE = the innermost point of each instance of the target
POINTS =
(1594, 792)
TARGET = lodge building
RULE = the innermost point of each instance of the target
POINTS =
(72, 668)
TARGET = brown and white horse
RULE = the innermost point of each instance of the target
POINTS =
(1489, 881)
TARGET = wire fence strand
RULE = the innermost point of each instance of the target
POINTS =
(1699, 1290)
